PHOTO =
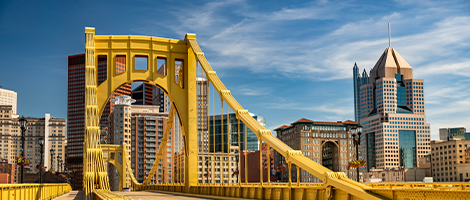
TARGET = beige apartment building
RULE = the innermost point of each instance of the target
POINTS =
(448, 161)
(142, 128)
(50, 128)
(327, 143)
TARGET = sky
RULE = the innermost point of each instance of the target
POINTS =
(283, 60)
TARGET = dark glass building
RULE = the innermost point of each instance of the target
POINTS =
(252, 139)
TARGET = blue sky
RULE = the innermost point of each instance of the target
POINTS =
(281, 60)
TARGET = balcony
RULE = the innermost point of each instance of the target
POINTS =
(150, 145)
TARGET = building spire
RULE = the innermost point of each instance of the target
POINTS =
(389, 35)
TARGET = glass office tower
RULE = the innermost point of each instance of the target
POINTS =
(252, 140)
(392, 113)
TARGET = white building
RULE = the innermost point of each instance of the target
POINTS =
(8, 97)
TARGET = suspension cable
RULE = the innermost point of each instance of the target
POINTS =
(213, 130)
(268, 157)
(229, 151)
(261, 161)
(239, 153)
(246, 163)
(222, 141)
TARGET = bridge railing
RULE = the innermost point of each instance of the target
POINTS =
(33, 191)
(411, 185)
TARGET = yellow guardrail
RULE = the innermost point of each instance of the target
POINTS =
(411, 185)
(33, 191)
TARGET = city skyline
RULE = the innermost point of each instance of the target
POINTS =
(330, 46)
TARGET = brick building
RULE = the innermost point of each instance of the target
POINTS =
(253, 165)
(327, 143)
(7, 172)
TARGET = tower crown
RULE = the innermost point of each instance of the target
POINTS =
(389, 64)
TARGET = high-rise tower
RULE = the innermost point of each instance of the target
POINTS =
(392, 114)
(358, 81)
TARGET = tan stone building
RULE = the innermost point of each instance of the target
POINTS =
(327, 143)
(50, 128)
(448, 161)
(218, 166)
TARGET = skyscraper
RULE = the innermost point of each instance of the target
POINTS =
(358, 81)
(76, 107)
(143, 94)
(392, 114)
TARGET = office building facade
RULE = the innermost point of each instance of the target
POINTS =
(143, 94)
(392, 113)
(446, 134)
(327, 143)
(215, 129)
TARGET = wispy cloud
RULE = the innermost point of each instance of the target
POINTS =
(329, 110)
(430, 35)
(249, 41)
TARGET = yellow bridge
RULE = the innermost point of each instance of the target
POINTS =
(185, 62)
(182, 88)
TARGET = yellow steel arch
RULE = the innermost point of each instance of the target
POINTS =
(182, 94)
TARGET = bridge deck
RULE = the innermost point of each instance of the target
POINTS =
(153, 194)
(72, 195)
(144, 195)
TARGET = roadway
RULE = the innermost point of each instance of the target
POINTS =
(145, 195)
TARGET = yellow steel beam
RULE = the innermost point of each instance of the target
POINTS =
(336, 179)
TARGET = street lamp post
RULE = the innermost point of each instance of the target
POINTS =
(52, 157)
(23, 130)
(357, 130)
(41, 144)
(239, 171)
(163, 174)
(59, 160)
(207, 170)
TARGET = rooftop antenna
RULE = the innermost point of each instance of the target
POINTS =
(389, 35)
